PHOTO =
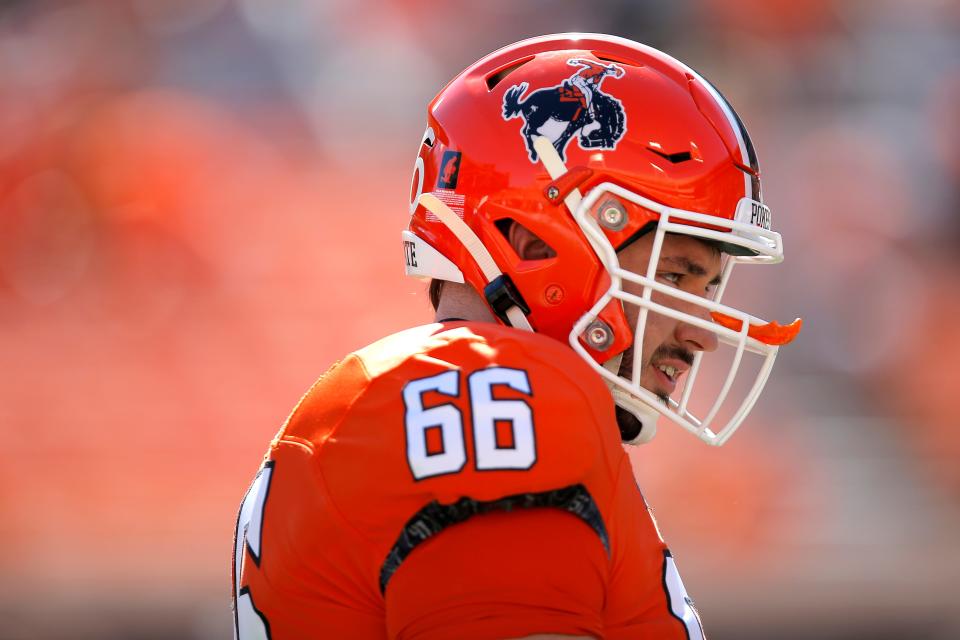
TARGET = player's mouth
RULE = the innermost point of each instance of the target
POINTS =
(667, 373)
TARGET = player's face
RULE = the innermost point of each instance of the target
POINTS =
(687, 264)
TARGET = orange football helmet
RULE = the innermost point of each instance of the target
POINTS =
(589, 141)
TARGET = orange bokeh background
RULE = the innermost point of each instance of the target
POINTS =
(200, 206)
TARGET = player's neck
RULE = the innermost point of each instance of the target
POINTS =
(461, 301)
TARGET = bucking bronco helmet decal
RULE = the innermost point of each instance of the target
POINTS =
(576, 106)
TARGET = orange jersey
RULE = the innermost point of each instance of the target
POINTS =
(457, 480)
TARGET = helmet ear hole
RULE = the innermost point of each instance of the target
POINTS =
(525, 243)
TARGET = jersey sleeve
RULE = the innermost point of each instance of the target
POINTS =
(526, 572)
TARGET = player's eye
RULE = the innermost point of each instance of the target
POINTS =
(673, 278)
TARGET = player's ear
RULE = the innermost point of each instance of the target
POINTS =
(527, 244)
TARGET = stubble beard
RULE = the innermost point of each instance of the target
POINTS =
(626, 370)
(630, 426)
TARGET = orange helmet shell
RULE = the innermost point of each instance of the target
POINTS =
(646, 122)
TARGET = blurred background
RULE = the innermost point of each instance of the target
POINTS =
(200, 205)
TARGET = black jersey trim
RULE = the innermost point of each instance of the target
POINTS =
(435, 517)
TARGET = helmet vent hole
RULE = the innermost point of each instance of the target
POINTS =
(607, 57)
(675, 158)
(497, 76)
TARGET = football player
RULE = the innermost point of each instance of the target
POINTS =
(467, 479)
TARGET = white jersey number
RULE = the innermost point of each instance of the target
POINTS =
(491, 417)
(248, 623)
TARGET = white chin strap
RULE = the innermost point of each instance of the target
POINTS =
(475, 248)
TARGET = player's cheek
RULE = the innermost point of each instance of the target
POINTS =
(656, 332)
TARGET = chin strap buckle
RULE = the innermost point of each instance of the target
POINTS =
(501, 295)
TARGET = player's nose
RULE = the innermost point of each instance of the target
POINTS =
(695, 337)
